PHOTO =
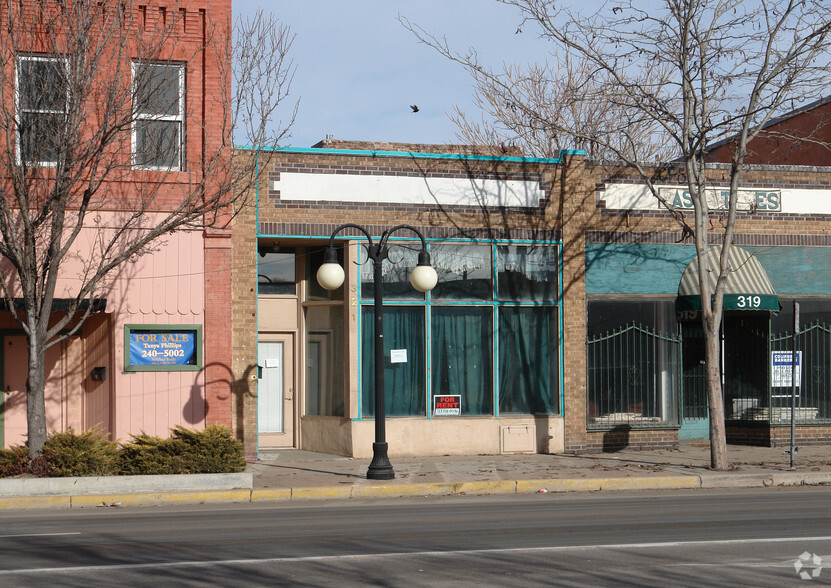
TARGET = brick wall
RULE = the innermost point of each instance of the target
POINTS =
(244, 321)
(764, 435)
(623, 438)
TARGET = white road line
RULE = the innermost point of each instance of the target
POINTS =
(37, 535)
(230, 562)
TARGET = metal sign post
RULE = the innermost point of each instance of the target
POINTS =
(793, 380)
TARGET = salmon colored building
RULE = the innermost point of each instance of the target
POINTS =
(155, 351)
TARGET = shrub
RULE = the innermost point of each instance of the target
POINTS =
(14, 461)
(84, 454)
(146, 455)
(211, 451)
(187, 451)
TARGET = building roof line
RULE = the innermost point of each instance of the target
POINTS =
(419, 155)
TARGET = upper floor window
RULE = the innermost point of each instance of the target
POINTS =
(159, 105)
(43, 102)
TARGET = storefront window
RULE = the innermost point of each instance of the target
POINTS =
(462, 353)
(454, 353)
(526, 272)
(465, 272)
(814, 344)
(528, 374)
(633, 360)
(395, 271)
(404, 360)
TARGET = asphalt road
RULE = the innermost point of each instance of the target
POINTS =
(740, 537)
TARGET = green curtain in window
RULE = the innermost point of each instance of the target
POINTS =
(528, 375)
(404, 382)
(461, 356)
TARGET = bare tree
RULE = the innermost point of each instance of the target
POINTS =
(100, 155)
(569, 111)
(685, 73)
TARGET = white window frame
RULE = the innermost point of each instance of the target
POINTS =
(178, 118)
(19, 110)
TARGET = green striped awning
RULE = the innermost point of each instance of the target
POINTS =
(747, 288)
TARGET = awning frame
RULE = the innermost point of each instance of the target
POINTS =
(747, 286)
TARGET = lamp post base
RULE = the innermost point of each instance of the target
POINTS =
(380, 468)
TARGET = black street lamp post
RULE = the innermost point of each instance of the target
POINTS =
(423, 278)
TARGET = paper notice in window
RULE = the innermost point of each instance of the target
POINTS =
(398, 356)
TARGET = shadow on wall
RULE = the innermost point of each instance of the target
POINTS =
(244, 392)
(616, 439)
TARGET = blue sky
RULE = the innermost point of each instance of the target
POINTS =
(359, 70)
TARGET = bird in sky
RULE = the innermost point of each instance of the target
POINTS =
(414, 107)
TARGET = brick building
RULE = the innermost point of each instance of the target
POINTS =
(800, 137)
(155, 352)
(487, 220)
(638, 266)
(559, 323)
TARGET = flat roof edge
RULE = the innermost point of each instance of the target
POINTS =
(411, 154)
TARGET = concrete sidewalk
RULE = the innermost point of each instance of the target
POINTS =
(296, 475)
(292, 475)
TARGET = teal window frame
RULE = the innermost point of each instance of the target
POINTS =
(494, 303)
(196, 329)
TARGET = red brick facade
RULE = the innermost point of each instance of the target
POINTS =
(165, 284)
(797, 138)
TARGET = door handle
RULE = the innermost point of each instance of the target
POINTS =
(291, 394)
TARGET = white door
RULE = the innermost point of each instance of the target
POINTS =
(270, 387)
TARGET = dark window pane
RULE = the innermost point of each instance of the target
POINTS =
(462, 352)
(526, 272)
(157, 144)
(465, 272)
(275, 272)
(40, 136)
(528, 360)
(42, 84)
(404, 382)
(157, 89)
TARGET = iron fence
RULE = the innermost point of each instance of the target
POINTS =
(633, 379)
(814, 392)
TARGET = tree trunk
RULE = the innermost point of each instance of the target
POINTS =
(35, 400)
(718, 438)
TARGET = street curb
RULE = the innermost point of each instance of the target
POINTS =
(159, 498)
(765, 480)
(118, 485)
(651, 483)
(413, 490)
